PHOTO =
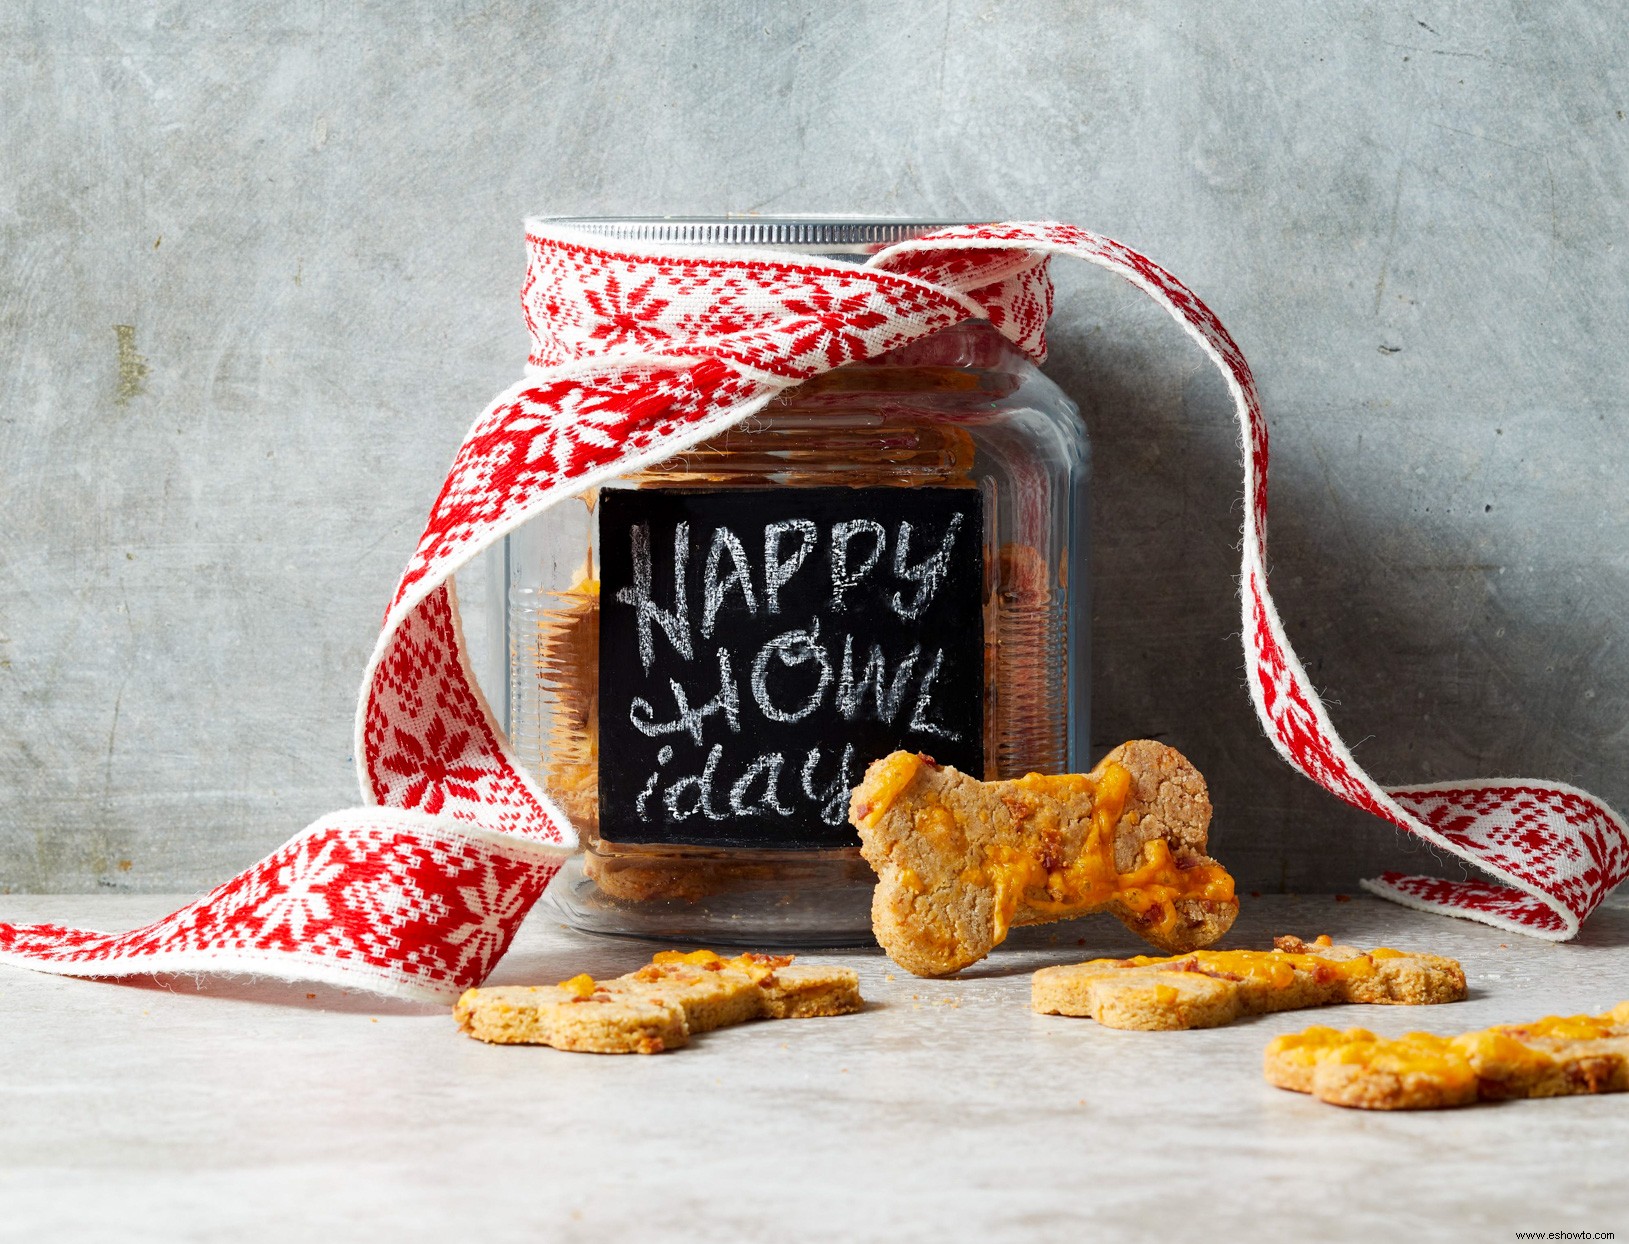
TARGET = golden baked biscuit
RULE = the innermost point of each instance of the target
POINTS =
(1209, 988)
(660, 1006)
(960, 861)
(1553, 1057)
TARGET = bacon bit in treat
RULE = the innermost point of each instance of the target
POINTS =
(927, 760)
(1292, 945)
(1019, 806)
(1050, 852)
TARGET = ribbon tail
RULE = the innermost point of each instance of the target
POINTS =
(396, 902)
(1503, 907)
(1555, 851)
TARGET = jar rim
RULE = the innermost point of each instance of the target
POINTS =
(836, 235)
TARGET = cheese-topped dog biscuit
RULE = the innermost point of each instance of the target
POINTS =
(1209, 988)
(660, 1006)
(1553, 1057)
(960, 861)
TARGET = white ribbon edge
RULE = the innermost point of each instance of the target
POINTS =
(300, 965)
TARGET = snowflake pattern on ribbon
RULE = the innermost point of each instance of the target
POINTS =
(396, 902)
(638, 353)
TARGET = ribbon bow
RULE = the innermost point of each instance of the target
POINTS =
(637, 354)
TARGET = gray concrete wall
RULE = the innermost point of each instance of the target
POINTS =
(259, 265)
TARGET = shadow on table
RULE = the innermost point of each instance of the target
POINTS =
(262, 991)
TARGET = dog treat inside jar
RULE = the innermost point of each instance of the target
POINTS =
(704, 655)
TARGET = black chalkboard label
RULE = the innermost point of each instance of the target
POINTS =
(758, 648)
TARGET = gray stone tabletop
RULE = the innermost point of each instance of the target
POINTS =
(164, 1110)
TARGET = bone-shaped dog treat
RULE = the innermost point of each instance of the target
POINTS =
(1208, 988)
(1553, 1057)
(960, 861)
(660, 1006)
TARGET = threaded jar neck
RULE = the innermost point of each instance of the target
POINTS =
(831, 237)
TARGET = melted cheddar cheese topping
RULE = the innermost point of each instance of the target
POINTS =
(1496, 1053)
(888, 779)
(1020, 874)
(758, 967)
(580, 986)
(665, 963)
(1275, 968)
(695, 958)
(1154, 885)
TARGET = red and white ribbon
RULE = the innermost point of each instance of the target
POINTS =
(638, 353)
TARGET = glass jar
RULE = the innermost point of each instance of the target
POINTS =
(705, 655)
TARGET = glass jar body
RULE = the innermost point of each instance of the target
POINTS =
(960, 419)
